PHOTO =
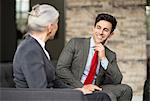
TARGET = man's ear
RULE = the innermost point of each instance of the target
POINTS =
(112, 33)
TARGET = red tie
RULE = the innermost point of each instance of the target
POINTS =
(92, 71)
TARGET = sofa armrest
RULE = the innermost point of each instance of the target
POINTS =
(27, 94)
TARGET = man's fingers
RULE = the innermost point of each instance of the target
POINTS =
(97, 88)
(92, 87)
(99, 48)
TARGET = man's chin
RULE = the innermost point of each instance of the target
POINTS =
(98, 42)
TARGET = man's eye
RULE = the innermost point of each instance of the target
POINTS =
(98, 27)
(107, 30)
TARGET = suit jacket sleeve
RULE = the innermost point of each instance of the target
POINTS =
(112, 75)
(64, 65)
(58, 83)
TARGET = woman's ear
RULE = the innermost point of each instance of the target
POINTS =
(49, 28)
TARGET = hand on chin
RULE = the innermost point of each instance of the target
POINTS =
(99, 42)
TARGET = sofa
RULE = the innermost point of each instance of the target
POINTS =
(26, 94)
(6, 75)
(146, 91)
(8, 92)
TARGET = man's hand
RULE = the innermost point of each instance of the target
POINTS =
(90, 88)
(101, 50)
(84, 91)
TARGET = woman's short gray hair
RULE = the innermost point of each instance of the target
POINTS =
(41, 16)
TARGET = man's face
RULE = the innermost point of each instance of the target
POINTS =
(101, 31)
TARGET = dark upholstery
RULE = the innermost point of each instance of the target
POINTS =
(26, 94)
(6, 75)
(146, 93)
(8, 92)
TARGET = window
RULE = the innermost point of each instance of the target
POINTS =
(148, 30)
(22, 7)
(148, 40)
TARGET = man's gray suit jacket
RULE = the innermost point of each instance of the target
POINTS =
(72, 61)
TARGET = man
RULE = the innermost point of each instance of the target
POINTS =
(32, 64)
(87, 62)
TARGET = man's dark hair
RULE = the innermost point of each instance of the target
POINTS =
(107, 17)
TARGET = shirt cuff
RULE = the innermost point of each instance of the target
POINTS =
(104, 63)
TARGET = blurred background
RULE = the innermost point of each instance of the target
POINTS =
(131, 40)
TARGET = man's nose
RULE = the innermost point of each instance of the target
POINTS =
(100, 31)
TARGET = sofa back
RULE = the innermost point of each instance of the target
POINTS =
(6, 75)
(27, 94)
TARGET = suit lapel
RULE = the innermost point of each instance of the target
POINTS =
(108, 54)
(85, 52)
(41, 49)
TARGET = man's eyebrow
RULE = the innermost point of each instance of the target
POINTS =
(98, 26)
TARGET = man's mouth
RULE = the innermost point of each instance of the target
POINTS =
(100, 37)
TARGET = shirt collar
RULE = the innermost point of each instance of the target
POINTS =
(39, 41)
(92, 43)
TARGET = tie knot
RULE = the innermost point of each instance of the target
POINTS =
(96, 52)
